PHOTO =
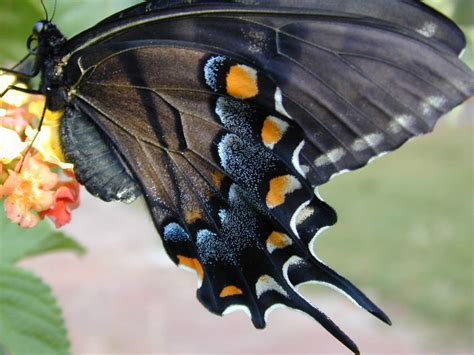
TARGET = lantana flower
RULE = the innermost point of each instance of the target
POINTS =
(35, 180)
(66, 199)
(29, 190)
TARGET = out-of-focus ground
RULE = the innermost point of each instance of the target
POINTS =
(404, 236)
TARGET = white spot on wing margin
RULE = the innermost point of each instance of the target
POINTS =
(267, 283)
(235, 308)
(332, 156)
(294, 217)
(279, 103)
(400, 122)
(428, 29)
(370, 140)
(295, 159)
(436, 102)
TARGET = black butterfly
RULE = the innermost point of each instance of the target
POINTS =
(227, 116)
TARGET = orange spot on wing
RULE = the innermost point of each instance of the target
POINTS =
(192, 263)
(242, 82)
(192, 216)
(230, 291)
(278, 188)
(278, 240)
(271, 133)
(217, 177)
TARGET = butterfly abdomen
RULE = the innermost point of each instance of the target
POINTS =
(97, 166)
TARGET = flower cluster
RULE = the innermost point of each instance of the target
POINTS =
(35, 180)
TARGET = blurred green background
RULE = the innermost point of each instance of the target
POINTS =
(405, 224)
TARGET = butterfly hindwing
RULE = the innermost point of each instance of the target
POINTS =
(219, 190)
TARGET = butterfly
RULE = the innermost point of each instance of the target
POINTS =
(227, 115)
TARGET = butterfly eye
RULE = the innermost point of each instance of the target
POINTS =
(38, 28)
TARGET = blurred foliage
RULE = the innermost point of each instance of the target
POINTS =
(411, 237)
(462, 12)
(71, 16)
(30, 319)
(405, 221)
(17, 243)
(14, 29)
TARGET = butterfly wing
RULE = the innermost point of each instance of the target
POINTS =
(229, 120)
(406, 15)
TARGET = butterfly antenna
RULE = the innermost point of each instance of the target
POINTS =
(36, 135)
(45, 10)
(54, 9)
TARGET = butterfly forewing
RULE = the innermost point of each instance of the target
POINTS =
(317, 62)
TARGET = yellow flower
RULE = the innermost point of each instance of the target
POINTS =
(48, 142)
(13, 97)
(11, 146)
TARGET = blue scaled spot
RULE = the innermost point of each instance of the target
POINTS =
(236, 116)
(211, 71)
(213, 248)
(173, 232)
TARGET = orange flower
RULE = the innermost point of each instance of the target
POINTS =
(45, 184)
(15, 119)
(66, 199)
(28, 191)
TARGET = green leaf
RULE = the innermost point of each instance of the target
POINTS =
(17, 243)
(13, 28)
(73, 17)
(30, 318)
(18, 18)
(464, 11)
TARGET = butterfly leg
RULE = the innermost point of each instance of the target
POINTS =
(19, 73)
(17, 88)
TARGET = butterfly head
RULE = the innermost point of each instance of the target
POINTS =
(45, 37)
(45, 44)
(39, 27)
